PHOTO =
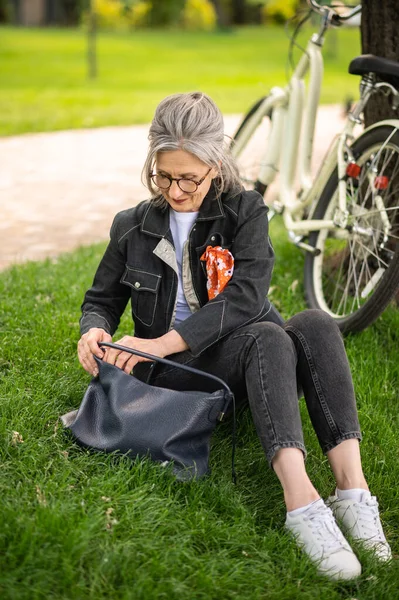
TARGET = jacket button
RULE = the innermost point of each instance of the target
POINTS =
(213, 238)
(137, 284)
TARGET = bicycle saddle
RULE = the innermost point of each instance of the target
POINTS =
(368, 63)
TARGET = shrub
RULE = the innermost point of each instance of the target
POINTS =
(279, 11)
(121, 14)
(139, 14)
(110, 14)
(199, 14)
(165, 12)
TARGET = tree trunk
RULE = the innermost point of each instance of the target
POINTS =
(92, 42)
(379, 27)
(239, 11)
(221, 16)
(379, 33)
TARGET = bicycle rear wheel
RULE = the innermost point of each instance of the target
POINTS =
(249, 159)
(356, 273)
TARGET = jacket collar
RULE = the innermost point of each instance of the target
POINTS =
(156, 220)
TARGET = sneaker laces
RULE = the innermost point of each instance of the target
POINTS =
(325, 528)
(369, 519)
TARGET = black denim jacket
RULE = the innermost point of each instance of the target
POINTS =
(140, 264)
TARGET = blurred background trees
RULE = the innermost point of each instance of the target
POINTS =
(42, 12)
(192, 14)
(379, 16)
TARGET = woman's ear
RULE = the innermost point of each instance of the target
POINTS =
(216, 171)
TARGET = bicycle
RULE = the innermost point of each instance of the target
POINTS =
(347, 217)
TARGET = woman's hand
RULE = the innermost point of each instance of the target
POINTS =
(88, 346)
(127, 361)
(163, 346)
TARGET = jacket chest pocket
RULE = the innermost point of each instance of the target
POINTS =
(144, 293)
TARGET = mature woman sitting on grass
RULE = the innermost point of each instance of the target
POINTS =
(196, 262)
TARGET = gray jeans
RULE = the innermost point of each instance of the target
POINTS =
(267, 364)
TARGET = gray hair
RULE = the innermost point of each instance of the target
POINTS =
(191, 122)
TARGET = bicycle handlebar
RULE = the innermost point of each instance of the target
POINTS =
(321, 10)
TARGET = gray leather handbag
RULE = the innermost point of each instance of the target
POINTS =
(121, 413)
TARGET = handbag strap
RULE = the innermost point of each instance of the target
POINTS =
(166, 361)
(171, 363)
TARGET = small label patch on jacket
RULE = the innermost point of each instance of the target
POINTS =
(219, 269)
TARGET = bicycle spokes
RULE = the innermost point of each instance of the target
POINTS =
(353, 261)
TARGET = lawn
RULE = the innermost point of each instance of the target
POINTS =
(81, 525)
(44, 85)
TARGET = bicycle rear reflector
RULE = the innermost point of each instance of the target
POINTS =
(353, 170)
(381, 182)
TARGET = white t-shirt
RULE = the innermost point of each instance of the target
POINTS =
(180, 225)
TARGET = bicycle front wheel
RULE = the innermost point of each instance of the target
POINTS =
(249, 158)
(356, 273)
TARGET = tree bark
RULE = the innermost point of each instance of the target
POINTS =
(379, 35)
(92, 42)
(379, 26)
(239, 11)
(222, 18)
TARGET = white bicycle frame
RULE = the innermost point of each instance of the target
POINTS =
(290, 147)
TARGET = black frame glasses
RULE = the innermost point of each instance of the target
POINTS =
(154, 177)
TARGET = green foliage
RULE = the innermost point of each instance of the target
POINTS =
(279, 11)
(193, 15)
(110, 14)
(139, 14)
(119, 15)
(71, 10)
(165, 13)
(199, 15)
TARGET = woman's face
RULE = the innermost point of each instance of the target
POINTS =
(181, 164)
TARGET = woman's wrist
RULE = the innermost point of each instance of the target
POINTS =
(171, 343)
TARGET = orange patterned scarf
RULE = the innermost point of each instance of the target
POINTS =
(219, 268)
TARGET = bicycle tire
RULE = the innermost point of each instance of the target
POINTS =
(249, 181)
(368, 263)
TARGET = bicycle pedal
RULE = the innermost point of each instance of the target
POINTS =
(298, 241)
(309, 248)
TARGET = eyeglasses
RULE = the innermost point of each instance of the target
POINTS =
(163, 182)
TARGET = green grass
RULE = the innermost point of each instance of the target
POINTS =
(207, 540)
(44, 85)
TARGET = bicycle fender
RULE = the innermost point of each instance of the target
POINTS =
(389, 122)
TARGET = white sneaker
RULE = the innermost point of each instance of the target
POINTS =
(320, 537)
(361, 520)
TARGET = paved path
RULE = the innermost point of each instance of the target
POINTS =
(61, 190)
